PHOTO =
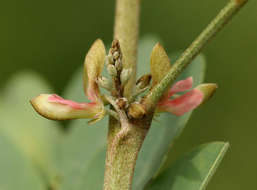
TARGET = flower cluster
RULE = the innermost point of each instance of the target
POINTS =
(55, 107)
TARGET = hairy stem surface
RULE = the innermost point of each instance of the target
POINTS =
(126, 30)
(122, 155)
(192, 51)
(124, 141)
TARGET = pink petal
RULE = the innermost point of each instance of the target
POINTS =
(182, 104)
(181, 86)
(57, 99)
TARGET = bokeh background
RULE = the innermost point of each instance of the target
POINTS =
(52, 37)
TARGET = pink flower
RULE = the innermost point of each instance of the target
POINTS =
(183, 103)
(55, 107)
(171, 101)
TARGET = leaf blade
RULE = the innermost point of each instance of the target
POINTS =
(193, 171)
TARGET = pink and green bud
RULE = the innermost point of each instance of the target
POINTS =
(181, 104)
(54, 107)
(171, 101)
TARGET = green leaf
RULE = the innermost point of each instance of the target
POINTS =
(36, 137)
(16, 170)
(83, 149)
(94, 175)
(193, 171)
(166, 128)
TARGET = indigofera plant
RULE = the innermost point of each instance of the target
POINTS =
(133, 104)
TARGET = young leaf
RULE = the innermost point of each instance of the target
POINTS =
(193, 171)
(166, 128)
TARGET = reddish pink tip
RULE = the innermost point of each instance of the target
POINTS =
(182, 104)
(57, 99)
(181, 86)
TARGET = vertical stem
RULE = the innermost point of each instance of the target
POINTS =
(126, 31)
(124, 141)
(122, 155)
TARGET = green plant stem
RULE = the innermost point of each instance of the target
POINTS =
(124, 139)
(126, 30)
(124, 144)
(122, 155)
(192, 51)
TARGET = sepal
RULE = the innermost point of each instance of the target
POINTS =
(160, 64)
(93, 67)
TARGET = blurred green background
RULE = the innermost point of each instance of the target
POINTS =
(52, 37)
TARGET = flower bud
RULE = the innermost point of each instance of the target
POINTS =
(137, 110)
(122, 103)
(143, 81)
(104, 83)
(208, 90)
(118, 64)
(125, 75)
(112, 70)
(54, 107)
(108, 60)
(116, 55)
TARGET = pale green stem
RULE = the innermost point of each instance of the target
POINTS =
(124, 139)
(126, 31)
(192, 51)
(124, 143)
